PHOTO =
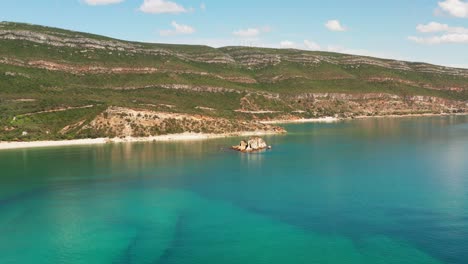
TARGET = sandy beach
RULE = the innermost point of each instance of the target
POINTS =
(305, 120)
(193, 136)
(98, 141)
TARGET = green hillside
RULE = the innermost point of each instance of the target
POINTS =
(49, 69)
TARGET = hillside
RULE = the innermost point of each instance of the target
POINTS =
(59, 84)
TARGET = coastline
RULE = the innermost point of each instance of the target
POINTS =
(338, 119)
(4, 145)
(408, 115)
(303, 120)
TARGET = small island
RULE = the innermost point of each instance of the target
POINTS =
(253, 144)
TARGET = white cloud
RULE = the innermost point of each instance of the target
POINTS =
(251, 32)
(247, 33)
(311, 45)
(451, 34)
(456, 8)
(286, 44)
(438, 27)
(102, 2)
(161, 7)
(335, 25)
(203, 6)
(460, 38)
(179, 29)
(432, 27)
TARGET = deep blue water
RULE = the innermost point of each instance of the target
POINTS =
(364, 191)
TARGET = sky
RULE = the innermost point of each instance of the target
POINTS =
(434, 31)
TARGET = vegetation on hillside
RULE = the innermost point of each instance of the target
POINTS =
(47, 75)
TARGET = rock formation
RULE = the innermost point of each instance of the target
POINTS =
(251, 145)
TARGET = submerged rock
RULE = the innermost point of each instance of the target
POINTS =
(251, 145)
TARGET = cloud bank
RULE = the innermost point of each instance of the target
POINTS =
(161, 7)
(456, 8)
(178, 29)
(450, 34)
(334, 25)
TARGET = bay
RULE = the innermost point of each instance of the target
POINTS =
(391, 190)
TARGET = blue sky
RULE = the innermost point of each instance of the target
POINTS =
(434, 31)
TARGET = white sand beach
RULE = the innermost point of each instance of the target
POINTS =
(192, 136)
(172, 137)
(304, 120)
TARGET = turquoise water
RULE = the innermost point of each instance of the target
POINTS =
(368, 191)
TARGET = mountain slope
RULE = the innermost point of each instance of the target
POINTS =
(56, 83)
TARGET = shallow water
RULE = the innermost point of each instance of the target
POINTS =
(365, 191)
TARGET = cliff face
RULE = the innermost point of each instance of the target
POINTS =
(49, 77)
(125, 122)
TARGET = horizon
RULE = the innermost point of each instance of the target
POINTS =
(434, 32)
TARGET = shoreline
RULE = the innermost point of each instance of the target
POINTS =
(408, 116)
(338, 119)
(302, 120)
(7, 145)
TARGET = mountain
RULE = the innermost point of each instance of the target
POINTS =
(60, 84)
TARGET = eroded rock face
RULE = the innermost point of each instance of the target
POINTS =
(251, 145)
(127, 122)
